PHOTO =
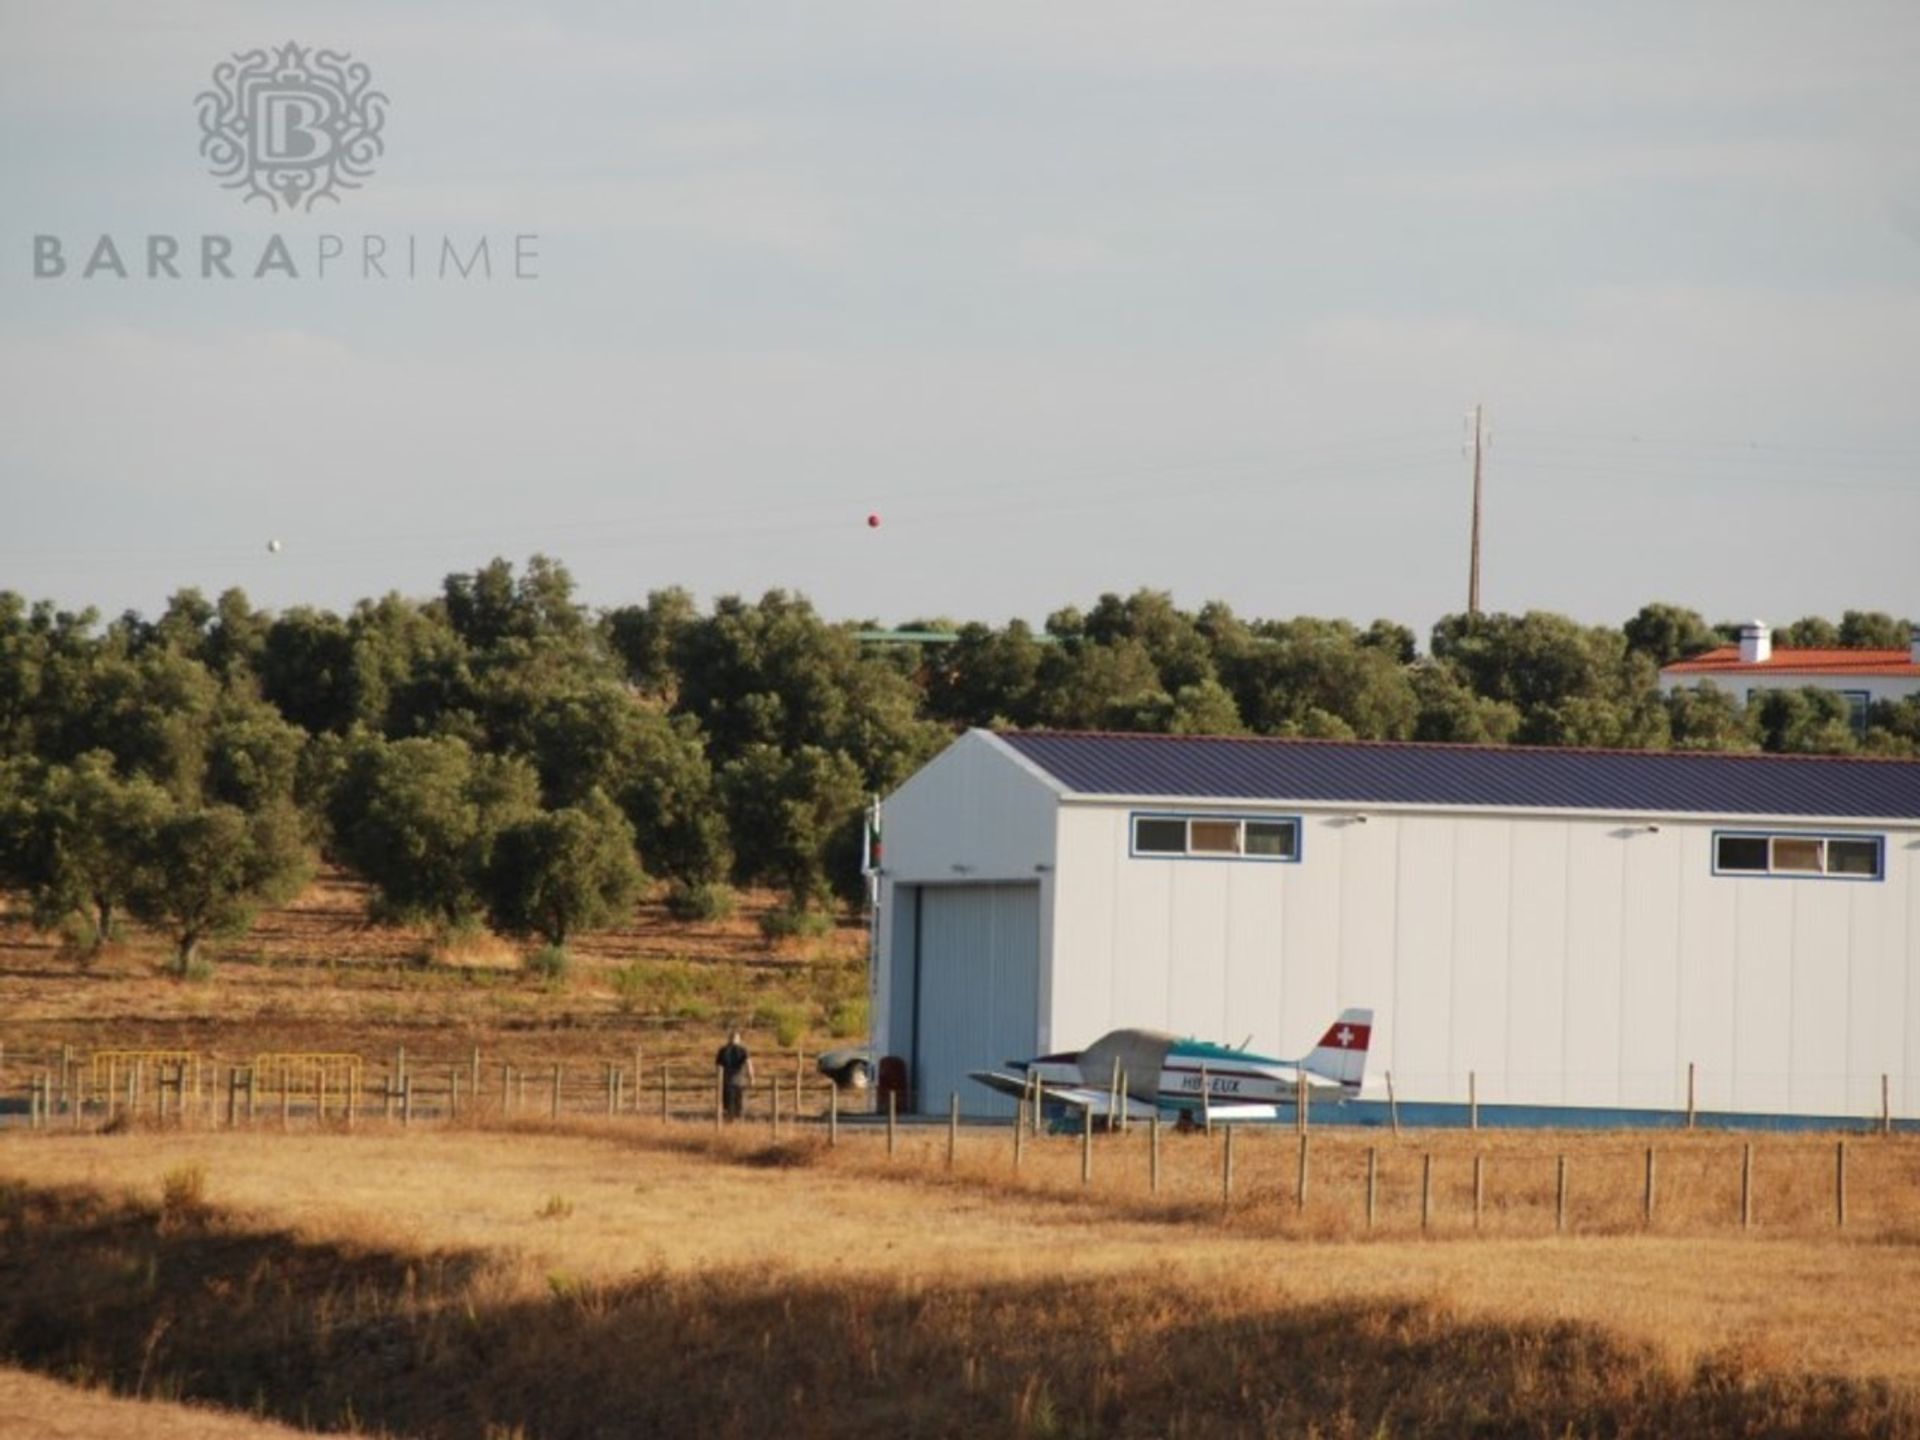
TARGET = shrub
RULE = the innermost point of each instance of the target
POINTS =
(550, 962)
(708, 901)
(786, 923)
(183, 1193)
(787, 1020)
(199, 970)
(848, 1019)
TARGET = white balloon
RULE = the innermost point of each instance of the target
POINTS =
(273, 547)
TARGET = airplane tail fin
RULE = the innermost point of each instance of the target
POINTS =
(1342, 1052)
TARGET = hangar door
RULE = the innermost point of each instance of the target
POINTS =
(978, 990)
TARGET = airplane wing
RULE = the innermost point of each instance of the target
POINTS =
(1076, 1097)
(1018, 1086)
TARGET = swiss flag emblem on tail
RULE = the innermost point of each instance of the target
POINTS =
(1342, 1052)
(1346, 1035)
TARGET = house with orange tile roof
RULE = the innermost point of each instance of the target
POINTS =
(1756, 665)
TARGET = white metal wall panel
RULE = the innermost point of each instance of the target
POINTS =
(979, 972)
(1763, 992)
(1260, 956)
(1145, 946)
(1364, 938)
(1423, 955)
(1652, 862)
(1903, 860)
(1822, 953)
(1876, 999)
(1709, 948)
(1195, 995)
(1481, 969)
(1309, 927)
(1536, 1031)
(1594, 877)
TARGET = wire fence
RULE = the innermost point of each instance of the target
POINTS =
(1311, 1177)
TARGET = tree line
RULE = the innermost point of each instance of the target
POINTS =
(502, 754)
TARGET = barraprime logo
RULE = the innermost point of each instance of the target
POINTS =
(292, 127)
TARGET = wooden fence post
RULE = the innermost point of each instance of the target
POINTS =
(1300, 1176)
(1426, 1190)
(406, 1100)
(612, 1101)
(559, 1079)
(1746, 1186)
(1086, 1144)
(953, 1127)
(1304, 1109)
(1226, 1166)
(453, 1095)
(286, 1096)
(233, 1096)
(1039, 1101)
(1153, 1153)
(1393, 1106)
(893, 1120)
(1840, 1185)
(1692, 1094)
(1647, 1201)
(1479, 1188)
(506, 1089)
(253, 1091)
(1373, 1184)
(473, 1078)
(1560, 1196)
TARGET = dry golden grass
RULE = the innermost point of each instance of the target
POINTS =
(315, 975)
(34, 1406)
(1051, 1304)
(629, 1277)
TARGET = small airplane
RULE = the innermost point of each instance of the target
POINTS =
(1137, 1073)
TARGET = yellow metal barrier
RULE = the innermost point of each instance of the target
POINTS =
(321, 1074)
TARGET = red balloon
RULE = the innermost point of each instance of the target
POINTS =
(873, 522)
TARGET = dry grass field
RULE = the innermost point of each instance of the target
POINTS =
(316, 976)
(511, 1276)
(630, 1278)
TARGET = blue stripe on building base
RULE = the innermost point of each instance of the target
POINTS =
(1447, 1115)
(1444, 1115)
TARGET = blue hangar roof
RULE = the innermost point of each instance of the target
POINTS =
(1359, 772)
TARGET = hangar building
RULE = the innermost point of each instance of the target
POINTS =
(1574, 928)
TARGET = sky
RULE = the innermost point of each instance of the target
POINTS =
(1076, 297)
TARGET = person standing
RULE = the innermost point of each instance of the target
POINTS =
(736, 1073)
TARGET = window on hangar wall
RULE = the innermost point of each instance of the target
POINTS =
(1217, 837)
(1845, 857)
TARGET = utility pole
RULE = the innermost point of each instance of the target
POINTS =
(1478, 441)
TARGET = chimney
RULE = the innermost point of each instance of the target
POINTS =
(1756, 643)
